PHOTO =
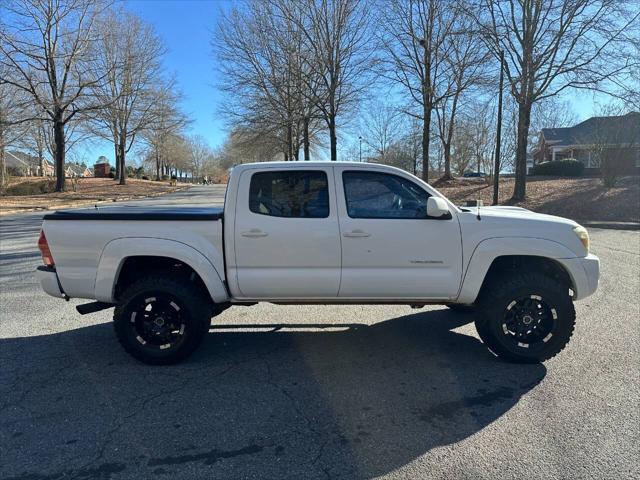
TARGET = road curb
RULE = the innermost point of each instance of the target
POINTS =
(611, 225)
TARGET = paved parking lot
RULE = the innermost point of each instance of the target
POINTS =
(315, 392)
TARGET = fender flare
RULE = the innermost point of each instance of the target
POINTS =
(488, 250)
(117, 251)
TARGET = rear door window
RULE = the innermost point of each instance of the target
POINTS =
(290, 193)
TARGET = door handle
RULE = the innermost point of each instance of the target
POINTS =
(254, 233)
(356, 234)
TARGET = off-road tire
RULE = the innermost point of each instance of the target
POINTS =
(191, 309)
(495, 306)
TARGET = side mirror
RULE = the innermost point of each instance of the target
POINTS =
(437, 208)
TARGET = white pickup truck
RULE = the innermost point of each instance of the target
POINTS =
(320, 233)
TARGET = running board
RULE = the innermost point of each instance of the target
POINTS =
(92, 307)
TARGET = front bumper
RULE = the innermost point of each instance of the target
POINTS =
(49, 282)
(585, 273)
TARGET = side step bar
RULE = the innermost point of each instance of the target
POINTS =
(92, 307)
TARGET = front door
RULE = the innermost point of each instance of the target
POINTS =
(390, 248)
(286, 236)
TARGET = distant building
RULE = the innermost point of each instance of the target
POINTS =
(586, 140)
(101, 168)
(77, 171)
(25, 165)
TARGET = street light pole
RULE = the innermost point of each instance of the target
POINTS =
(496, 165)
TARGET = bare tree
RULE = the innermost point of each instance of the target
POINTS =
(130, 53)
(550, 46)
(199, 154)
(416, 37)
(168, 123)
(467, 61)
(614, 139)
(34, 140)
(262, 57)
(381, 126)
(15, 113)
(338, 38)
(49, 46)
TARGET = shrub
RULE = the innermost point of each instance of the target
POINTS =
(112, 174)
(173, 177)
(144, 177)
(165, 177)
(561, 168)
(31, 188)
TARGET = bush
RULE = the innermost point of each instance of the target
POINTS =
(173, 177)
(561, 168)
(144, 177)
(165, 177)
(112, 174)
(31, 188)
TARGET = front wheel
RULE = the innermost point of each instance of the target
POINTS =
(526, 318)
(161, 321)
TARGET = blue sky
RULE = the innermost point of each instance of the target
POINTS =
(186, 27)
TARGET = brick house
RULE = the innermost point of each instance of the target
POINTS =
(617, 136)
(101, 168)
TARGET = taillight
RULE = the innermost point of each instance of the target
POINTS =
(47, 258)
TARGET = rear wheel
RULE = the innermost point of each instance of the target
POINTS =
(526, 318)
(161, 321)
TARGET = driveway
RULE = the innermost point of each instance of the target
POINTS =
(315, 391)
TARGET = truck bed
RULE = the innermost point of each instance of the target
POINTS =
(139, 213)
(89, 243)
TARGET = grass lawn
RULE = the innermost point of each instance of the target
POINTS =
(575, 198)
(88, 190)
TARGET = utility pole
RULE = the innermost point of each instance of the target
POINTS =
(496, 165)
(360, 158)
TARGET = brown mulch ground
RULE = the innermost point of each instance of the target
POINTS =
(88, 190)
(575, 198)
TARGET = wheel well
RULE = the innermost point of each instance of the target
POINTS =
(507, 264)
(136, 267)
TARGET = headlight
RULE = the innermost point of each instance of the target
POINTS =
(583, 235)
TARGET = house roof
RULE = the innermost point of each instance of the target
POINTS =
(622, 129)
(76, 169)
(17, 159)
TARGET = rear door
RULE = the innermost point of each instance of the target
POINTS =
(390, 248)
(287, 243)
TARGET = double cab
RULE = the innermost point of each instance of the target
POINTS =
(320, 233)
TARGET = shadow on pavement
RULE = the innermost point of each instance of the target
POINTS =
(279, 401)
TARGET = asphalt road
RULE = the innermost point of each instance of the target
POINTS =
(315, 392)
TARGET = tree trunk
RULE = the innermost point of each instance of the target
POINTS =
(123, 172)
(305, 140)
(59, 143)
(289, 140)
(496, 159)
(157, 167)
(116, 152)
(426, 129)
(3, 165)
(524, 117)
(333, 138)
(447, 162)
